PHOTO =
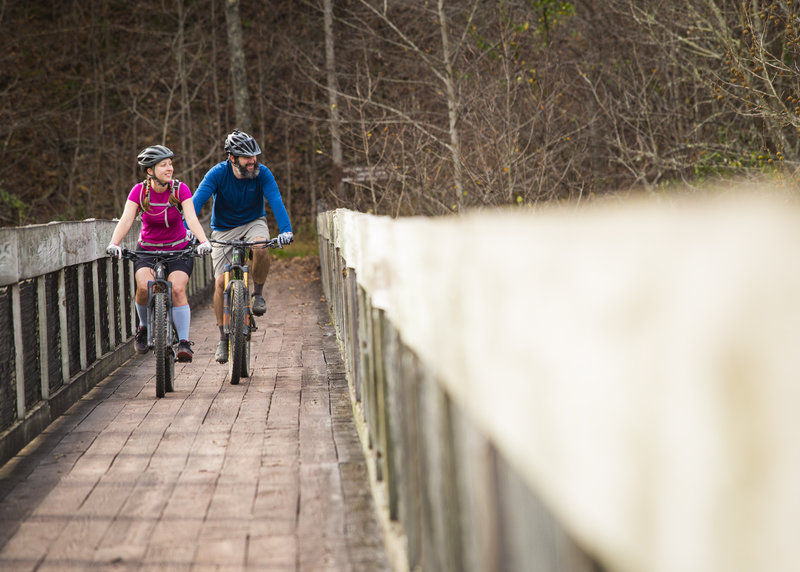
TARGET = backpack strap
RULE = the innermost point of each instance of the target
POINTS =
(140, 210)
(176, 187)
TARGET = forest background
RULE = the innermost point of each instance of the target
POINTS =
(396, 107)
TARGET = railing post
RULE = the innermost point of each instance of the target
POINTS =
(112, 304)
(16, 307)
(124, 327)
(98, 332)
(135, 316)
(44, 354)
(62, 318)
(82, 317)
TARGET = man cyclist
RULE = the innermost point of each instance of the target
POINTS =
(239, 186)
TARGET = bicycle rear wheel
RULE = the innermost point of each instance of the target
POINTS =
(236, 341)
(160, 342)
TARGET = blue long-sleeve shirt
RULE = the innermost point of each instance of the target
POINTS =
(239, 201)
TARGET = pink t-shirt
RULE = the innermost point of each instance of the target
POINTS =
(162, 224)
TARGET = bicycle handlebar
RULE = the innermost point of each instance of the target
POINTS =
(271, 243)
(165, 254)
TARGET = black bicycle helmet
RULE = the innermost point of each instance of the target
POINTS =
(240, 144)
(154, 155)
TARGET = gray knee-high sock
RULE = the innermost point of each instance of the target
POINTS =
(182, 317)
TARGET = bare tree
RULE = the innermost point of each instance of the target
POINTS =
(241, 96)
(333, 103)
(426, 83)
(708, 90)
(449, 80)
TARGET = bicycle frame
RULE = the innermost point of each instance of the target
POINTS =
(159, 284)
(237, 269)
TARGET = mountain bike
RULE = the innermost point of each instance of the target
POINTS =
(238, 321)
(162, 336)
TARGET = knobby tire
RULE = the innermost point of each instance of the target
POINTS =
(236, 341)
(160, 341)
(246, 358)
(170, 365)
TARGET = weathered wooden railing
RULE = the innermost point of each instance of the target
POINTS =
(66, 320)
(612, 388)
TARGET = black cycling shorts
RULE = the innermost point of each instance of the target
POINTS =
(184, 264)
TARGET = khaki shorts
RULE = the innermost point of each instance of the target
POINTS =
(221, 255)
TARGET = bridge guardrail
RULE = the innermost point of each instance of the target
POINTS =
(607, 388)
(66, 319)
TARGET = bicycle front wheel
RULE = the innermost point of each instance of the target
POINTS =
(169, 366)
(245, 371)
(236, 341)
(160, 341)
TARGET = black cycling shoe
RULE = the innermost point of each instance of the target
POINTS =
(184, 351)
(259, 305)
(141, 341)
(222, 351)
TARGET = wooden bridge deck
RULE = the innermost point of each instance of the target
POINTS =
(266, 475)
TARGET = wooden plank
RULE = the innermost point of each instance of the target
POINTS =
(150, 487)
(175, 536)
(320, 525)
(316, 435)
(42, 533)
(97, 522)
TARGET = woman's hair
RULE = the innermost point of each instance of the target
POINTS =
(145, 200)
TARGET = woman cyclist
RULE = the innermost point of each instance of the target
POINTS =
(160, 200)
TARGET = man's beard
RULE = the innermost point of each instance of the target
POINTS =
(242, 170)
